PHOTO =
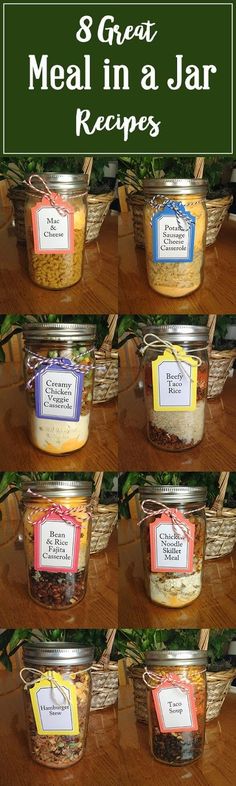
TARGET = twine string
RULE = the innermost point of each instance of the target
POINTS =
(176, 522)
(59, 510)
(179, 214)
(160, 678)
(46, 192)
(59, 361)
(158, 343)
(52, 681)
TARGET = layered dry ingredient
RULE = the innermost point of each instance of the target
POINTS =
(58, 270)
(175, 386)
(179, 747)
(170, 588)
(56, 589)
(59, 436)
(176, 430)
(58, 750)
(175, 278)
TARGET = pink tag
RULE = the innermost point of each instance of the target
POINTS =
(175, 706)
(56, 544)
(172, 547)
(53, 229)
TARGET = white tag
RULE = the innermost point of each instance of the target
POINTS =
(171, 548)
(54, 717)
(174, 386)
(173, 234)
(57, 540)
(58, 393)
(175, 708)
(53, 229)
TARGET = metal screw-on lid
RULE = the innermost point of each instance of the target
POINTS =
(50, 653)
(175, 186)
(56, 488)
(176, 494)
(190, 334)
(64, 183)
(58, 332)
(176, 658)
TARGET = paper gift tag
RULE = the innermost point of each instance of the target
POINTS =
(175, 706)
(53, 229)
(172, 237)
(171, 550)
(58, 392)
(56, 544)
(53, 714)
(174, 383)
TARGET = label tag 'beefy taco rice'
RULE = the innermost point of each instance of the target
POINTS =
(55, 711)
(174, 381)
(53, 227)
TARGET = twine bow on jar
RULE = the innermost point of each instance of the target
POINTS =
(63, 362)
(181, 216)
(59, 510)
(52, 196)
(161, 343)
(55, 686)
(175, 521)
(158, 679)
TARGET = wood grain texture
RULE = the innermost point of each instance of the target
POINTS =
(214, 608)
(98, 766)
(215, 768)
(96, 293)
(17, 453)
(216, 294)
(216, 452)
(19, 610)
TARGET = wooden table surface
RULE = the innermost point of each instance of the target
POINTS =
(100, 602)
(215, 768)
(214, 608)
(216, 295)
(99, 453)
(98, 766)
(216, 452)
(97, 293)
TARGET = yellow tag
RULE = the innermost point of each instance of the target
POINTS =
(53, 713)
(174, 384)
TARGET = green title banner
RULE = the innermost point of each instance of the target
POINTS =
(115, 78)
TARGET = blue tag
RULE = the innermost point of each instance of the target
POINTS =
(58, 391)
(172, 239)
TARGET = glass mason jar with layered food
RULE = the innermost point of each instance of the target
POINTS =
(176, 704)
(55, 222)
(57, 699)
(175, 221)
(57, 532)
(175, 361)
(173, 543)
(59, 373)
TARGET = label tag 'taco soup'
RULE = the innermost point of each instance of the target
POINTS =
(175, 706)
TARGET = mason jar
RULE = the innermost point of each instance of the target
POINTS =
(176, 704)
(57, 531)
(173, 546)
(55, 225)
(51, 741)
(59, 373)
(175, 384)
(175, 221)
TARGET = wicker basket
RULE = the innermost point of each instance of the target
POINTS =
(221, 524)
(217, 210)
(106, 371)
(105, 677)
(104, 519)
(98, 207)
(220, 363)
(136, 200)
